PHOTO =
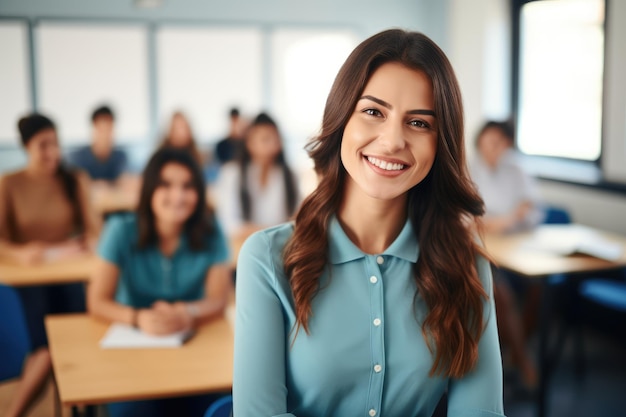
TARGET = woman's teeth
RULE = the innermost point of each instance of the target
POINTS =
(387, 166)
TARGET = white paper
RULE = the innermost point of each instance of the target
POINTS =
(123, 336)
(569, 239)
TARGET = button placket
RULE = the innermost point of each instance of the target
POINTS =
(377, 341)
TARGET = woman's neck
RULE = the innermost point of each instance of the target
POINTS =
(372, 224)
(169, 236)
(35, 171)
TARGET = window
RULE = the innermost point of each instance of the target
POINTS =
(205, 71)
(561, 70)
(81, 66)
(304, 66)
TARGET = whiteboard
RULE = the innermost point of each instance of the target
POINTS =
(81, 66)
(14, 79)
(203, 72)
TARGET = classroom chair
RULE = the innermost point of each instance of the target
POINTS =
(14, 337)
(222, 407)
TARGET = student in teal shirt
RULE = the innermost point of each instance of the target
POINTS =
(377, 299)
(165, 268)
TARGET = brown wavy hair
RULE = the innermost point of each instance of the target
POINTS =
(439, 207)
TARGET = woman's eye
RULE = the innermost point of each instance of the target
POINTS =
(372, 112)
(419, 123)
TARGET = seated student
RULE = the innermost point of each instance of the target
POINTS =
(30, 234)
(511, 203)
(180, 135)
(228, 148)
(162, 269)
(510, 194)
(100, 160)
(259, 189)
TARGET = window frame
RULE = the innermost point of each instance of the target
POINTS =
(578, 172)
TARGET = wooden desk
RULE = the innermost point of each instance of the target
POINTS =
(89, 375)
(54, 272)
(511, 252)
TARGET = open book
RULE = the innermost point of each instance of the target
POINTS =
(124, 336)
(570, 239)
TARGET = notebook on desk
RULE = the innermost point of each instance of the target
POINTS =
(124, 336)
(570, 239)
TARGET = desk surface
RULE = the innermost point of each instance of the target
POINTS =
(87, 374)
(54, 272)
(509, 252)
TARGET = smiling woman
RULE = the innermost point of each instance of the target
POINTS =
(163, 269)
(376, 299)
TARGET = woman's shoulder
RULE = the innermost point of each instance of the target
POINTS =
(13, 177)
(272, 239)
(122, 224)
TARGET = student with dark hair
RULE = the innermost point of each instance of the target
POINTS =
(228, 148)
(164, 268)
(44, 215)
(378, 297)
(100, 159)
(259, 189)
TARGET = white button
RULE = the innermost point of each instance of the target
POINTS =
(373, 279)
(380, 260)
(377, 368)
(372, 412)
(376, 322)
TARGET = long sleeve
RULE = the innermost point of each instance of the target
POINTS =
(259, 387)
(479, 393)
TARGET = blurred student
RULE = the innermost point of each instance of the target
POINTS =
(101, 160)
(44, 215)
(511, 204)
(163, 269)
(258, 189)
(228, 148)
(510, 194)
(180, 135)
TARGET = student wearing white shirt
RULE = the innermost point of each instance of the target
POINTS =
(258, 190)
(510, 194)
(511, 204)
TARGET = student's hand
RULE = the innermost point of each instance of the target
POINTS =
(163, 318)
(65, 250)
(30, 253)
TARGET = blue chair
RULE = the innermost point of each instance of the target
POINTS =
(14, 338)
(222, 407)
(610, 294)
(556, 215)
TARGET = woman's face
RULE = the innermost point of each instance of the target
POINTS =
(180, 134)
(390, 141)
(263, 143)
(43, 151)
(175, 198)
(492, 144)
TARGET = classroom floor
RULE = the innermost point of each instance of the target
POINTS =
(600, 392)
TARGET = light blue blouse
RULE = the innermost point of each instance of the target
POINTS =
(365, 354)
(146, 275)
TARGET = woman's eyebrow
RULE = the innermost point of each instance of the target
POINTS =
(389, 106)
